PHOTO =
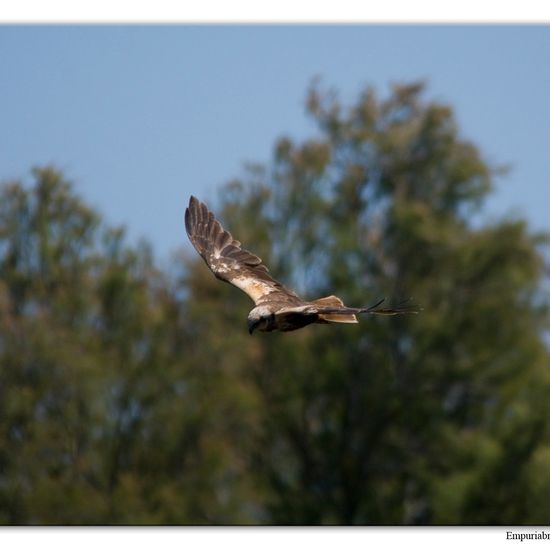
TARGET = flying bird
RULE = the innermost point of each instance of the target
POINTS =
(276, 307)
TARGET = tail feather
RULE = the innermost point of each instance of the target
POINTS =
(338, 318)
(329, 301)
(332, 309)
(334, 301)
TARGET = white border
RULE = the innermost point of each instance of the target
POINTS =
(269, 538)
(281, 11)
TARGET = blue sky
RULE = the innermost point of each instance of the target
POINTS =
(142, 116)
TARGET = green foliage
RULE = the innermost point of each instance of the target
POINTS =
(104, 416)
(132, 396)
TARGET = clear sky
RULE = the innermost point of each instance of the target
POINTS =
(140, 117)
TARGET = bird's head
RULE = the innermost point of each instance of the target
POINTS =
(260, 318)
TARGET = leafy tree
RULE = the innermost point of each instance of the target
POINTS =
(133, 396)
(439, 418)
(103, 419)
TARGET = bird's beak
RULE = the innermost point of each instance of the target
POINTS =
(251, 326)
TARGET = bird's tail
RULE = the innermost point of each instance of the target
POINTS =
(334, 301)
(332, 310)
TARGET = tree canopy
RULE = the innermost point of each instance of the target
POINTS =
(130, 395)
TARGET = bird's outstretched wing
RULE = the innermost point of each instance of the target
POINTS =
(317, 308)
(225, 256)
(399, 309)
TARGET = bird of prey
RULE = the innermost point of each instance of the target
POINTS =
(276, 307)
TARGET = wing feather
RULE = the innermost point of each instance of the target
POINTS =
(226, 258)
(317, 307)
(399, 309)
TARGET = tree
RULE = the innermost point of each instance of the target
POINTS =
(103, 417)
(133, 396)
(439, 418)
